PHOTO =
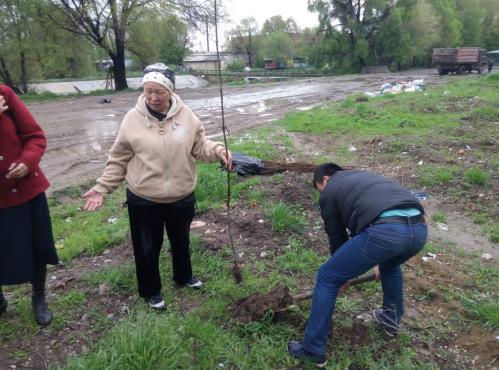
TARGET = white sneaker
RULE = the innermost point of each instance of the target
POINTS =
(195, 283)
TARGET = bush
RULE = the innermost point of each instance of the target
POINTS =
(236, 65)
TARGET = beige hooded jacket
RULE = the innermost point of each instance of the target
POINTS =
(157, 159)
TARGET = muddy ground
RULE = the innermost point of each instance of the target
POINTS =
(438, 328)
(81, 130)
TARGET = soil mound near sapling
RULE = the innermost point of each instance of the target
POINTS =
(255, 306)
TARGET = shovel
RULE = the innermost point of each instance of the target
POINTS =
(278, 299)
(308, 293)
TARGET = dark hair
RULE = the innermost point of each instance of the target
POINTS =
(325, 169)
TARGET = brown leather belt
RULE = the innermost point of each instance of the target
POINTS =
(418, 219)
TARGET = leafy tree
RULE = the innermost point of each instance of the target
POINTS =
(471, 14)
(490, 24)
(32, 47)
(148, 48)
(15, 28)
(450, 25)
(278, 24)
(278, 46)
(352, 24)
(245, 39)
(106, 23)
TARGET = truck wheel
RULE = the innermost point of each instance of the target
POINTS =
(461, 70)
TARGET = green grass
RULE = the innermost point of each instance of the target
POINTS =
(206, 338)
(119, 279)
(299, 258)
(485, 310)
(78, 232)
(44, 96)
(439, 217)
(430, 175)
(477, 176)
(285, 218)
(197, 331)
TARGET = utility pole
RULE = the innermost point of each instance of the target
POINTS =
(207, 35)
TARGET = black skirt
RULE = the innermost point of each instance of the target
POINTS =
(25, 237)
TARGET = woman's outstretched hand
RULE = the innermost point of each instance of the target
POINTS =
(93, 200)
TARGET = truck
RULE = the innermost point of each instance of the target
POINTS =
(461, 60)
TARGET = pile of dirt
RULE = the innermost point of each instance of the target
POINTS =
(257, 305)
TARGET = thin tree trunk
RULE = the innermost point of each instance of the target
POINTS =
(6, 77)
(24, 73)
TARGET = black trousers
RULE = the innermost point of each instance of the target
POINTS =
(147, 223)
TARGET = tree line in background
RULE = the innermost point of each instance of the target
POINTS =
(44, 39)
(357, 33)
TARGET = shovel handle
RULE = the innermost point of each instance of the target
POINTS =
(307, 294)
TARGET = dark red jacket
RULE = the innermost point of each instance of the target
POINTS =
(22, 140)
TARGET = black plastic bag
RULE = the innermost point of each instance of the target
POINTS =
(245, 165)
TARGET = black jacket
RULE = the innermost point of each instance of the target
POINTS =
(353, 199)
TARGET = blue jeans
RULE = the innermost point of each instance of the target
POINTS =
(387, 245)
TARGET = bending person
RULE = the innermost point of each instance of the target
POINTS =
(386, 226)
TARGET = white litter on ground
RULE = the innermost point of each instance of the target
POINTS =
(403, 86)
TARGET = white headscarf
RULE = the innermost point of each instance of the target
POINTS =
(160, 79)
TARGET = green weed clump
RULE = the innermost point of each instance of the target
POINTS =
(485, 310)
(494, 234)
(284, 218)
(432, 175)
(476, 176)
(439, 217)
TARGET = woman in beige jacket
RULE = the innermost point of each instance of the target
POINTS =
(155, 152)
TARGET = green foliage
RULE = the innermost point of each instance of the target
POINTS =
(285, 218)
(236, 65)
(147, 47)
(402, 33)
(278, 24)
(277, 46)
(477, 176)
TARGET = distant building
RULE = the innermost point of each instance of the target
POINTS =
(208, 61)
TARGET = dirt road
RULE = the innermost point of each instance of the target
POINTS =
(81, 130)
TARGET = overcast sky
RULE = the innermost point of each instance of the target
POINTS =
(261, 10)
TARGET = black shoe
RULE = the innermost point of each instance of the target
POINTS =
(156, 302)
(3, 304)
(195, 283)
(389, 325)
(296, 349)
(43, 315)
